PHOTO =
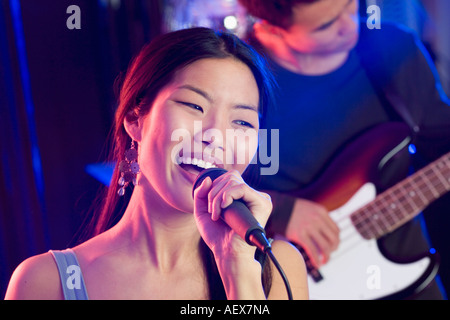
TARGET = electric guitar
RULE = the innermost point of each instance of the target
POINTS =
(359, 268)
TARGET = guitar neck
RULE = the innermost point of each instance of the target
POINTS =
(403, 201)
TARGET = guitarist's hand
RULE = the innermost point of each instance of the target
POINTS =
(311, 227)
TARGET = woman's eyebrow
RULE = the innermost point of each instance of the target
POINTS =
(196, 90)
(208, 97)
(246, 107)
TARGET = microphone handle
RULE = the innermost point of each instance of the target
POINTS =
(246, 226)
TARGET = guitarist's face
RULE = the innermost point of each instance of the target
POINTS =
(323, 27)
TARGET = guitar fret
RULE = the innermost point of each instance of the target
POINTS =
(358, 220)
(378, 219)
(391, 203)
(407, 197)
(440, 188)
(439, 173)
(424, 199)
(400, 208)
(445, 168)
(392, 217)
(442, 172)
(425, 175)
(365, 223)
(366, 229)
(415, 195)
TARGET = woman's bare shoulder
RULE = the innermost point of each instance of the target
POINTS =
(35, 278)
(293, 265)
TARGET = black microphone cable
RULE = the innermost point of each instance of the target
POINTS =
(268, 252)
(281, 272)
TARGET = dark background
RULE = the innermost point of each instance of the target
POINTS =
(57, 102)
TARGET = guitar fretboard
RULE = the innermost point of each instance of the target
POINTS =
(403, 201)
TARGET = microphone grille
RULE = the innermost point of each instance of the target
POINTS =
(213, 173)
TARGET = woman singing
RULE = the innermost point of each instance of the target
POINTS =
(153, 238)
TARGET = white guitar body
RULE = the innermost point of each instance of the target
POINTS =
(357, 269)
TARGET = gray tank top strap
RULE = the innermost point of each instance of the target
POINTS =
(72, 281)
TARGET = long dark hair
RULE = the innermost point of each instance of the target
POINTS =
(152, 69)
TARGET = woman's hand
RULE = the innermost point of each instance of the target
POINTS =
(240, 272)
(211, 197)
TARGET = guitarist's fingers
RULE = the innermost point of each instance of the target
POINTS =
(329, 243)
(315, 245)
(322, 246)
(330, 232)
(326, 234)
(327, 227)
(311, 226)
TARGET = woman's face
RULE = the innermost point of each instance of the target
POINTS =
(207, 116)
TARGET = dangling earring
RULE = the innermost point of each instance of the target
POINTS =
(128, 168)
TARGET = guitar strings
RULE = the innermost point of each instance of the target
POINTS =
(349, 235)
(350, 231)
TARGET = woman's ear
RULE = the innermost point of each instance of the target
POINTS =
(132, 125)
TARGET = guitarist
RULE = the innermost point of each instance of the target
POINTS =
(338, 79)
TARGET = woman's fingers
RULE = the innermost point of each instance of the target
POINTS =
(230, 187)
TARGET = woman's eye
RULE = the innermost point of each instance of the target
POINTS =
(244, 123)
(191, 105)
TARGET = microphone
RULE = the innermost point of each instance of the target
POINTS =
(237, 215)
(239, 218)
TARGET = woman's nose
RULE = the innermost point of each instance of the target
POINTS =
(210, 132)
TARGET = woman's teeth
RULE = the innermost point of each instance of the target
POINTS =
(197, 162)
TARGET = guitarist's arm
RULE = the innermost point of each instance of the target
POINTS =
(305, 223)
